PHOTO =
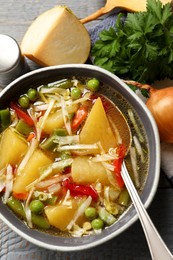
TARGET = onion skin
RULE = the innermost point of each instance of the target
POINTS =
(160, 104)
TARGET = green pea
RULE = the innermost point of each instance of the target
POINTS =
(93, 84)
(32, 94)
(75, 93)
(97, 224)
(24, 101)
(91, 213)
(36, 206)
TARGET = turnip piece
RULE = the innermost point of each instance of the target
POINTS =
(56, 37)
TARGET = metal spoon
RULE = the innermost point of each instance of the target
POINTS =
(132, 6)
(158, 249)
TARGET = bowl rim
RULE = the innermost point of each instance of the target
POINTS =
(156, 167)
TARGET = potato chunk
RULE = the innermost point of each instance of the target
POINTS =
(55, 119)
(60, 215)
(56, 37)
(97, 128)
(85, 171)
(12, 147)
(31, 171)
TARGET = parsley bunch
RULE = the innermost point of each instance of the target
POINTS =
(140, 47)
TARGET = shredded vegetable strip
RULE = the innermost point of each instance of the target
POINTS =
(110, 176)
(53, 180)
(104, 158)
(51, 104)
(66, 116)
(134, 166)
(78, 147)
(80, 211)
(27, 209)
(80, 100)
(64, 140)
(2, 179)
(52, 90)
(33, 146)
(132, 118)
(117, 134)
(8, 183)
(66, 201)
(138, 148)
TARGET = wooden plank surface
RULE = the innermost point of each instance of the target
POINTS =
(15, 17)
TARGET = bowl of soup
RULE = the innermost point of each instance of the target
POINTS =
(65, 131)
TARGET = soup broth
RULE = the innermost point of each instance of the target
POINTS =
(62, 146)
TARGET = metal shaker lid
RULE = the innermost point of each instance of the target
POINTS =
(11, 60)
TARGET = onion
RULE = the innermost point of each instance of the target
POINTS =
(160, 104)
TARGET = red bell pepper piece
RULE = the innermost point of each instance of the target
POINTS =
(79, 117)
(30, 136)
(21, 195)
(80, 190)
(117, 163)
(22, 114)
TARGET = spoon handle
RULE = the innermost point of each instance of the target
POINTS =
(158, 249)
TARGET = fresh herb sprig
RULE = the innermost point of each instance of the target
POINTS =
(140, 47)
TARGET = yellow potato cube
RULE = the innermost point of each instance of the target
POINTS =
(60, 215)
(55, 119)
(12, 148)
(31, 171)
(97, 128)
(85, 171)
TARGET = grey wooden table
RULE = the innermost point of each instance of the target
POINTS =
(15, 17)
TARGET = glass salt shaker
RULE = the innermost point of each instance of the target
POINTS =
(12, 63)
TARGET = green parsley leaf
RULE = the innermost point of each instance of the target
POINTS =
(140, 46)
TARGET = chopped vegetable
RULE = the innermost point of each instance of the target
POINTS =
(5, 118)
(80, 190)
(97, 128)
(9, 183)
(124, 197)
(10, 139)
(104, 215)
(21, 114)
(79, 117)
(23, 128)
(31, 171)
(117, 163)
(80, 211)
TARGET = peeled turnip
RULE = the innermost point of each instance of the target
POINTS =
(56, 37)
